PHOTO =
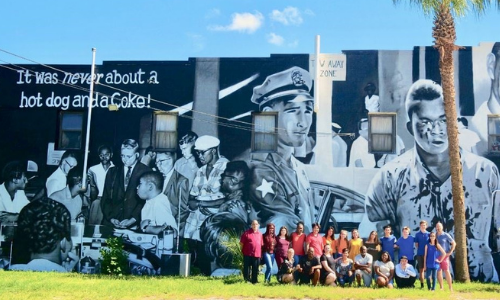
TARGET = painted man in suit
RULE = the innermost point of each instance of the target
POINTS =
(121, 206)
(175, 186)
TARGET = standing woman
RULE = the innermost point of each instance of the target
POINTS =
(281, 249)
(372, 244)
(269, 244)
(384, 270)
(355, 244)
(344, 268)
(342, 243)
(315, 240)
(431, 260)
(329, 238)
(327, 276)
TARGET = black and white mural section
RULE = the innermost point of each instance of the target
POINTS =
(175, 185)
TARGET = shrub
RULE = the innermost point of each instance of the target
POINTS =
(114, 260)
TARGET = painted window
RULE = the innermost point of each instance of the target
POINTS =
(494, 134)
(164, 130)
(264, 134)
(382, 133)
(70, 130)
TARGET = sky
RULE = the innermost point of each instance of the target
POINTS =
(65, 31)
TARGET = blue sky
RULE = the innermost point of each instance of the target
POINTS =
(63, 32)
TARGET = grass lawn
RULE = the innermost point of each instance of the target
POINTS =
(30, 285)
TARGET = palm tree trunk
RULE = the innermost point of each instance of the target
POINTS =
(446, 48)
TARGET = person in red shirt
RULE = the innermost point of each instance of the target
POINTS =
(315, 240)
(251, 246)
(269, 244)
(298, 240)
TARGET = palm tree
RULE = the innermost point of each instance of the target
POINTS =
(444, 35)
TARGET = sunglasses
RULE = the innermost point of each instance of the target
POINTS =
(202, 152)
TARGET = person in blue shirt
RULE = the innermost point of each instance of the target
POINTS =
(388, 241)
(421, 239)
(432, 254)
(405, 244)
(448, 244)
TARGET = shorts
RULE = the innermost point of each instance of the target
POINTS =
(445, 264)
(420, 262)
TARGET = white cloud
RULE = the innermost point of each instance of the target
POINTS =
(275, 39)
(197, 41)
(214, 12)
(242, 22)
(309, 12)
(289, 16)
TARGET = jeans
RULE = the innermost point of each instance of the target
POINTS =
(297, 258)
(428, 273)
(269, 260)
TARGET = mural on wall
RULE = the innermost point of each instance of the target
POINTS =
(213, 182)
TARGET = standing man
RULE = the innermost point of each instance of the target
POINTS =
(251, 245)
(448, 244)
(421, 240)
(57, 180)
(388, 241)
(372, 101)
(405, 244)
(186, 165)
(363, 267)
(298, 241)
(417, 185)
(175, 187)
(339, 147)
(120, 204)
(360, 157)
(12, 196)
(97, 177)
(280, 188)
(479, 122)
(205, 195)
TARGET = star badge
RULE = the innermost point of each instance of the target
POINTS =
(265, 187)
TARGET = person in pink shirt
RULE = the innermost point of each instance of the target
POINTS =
(315, 240)
(251, 246)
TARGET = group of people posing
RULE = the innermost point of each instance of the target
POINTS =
(314, 258)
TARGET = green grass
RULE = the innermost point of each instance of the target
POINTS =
(30, 285)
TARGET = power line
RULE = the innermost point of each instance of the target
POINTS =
(152, 99)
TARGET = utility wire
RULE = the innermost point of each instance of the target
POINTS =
(152, 99)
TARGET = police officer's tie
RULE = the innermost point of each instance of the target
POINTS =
(127, 177)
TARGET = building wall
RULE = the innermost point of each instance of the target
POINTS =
(215, 95)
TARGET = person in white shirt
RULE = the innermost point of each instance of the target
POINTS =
(156, 214)
(405, 274)
(71, 196)
(363, 267)
(12, 196)
(97, 177)
(57, 180)
(372, 102)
